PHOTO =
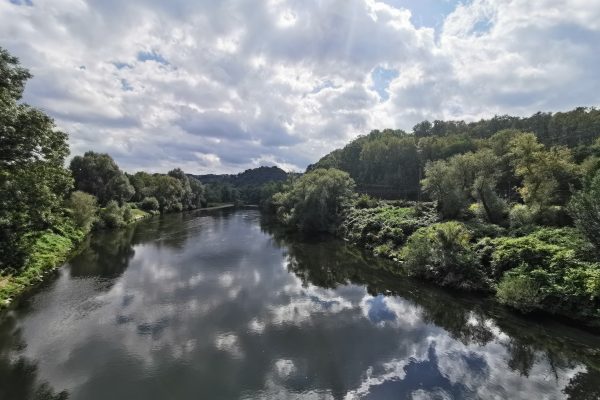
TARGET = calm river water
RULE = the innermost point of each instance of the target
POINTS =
(222, 305)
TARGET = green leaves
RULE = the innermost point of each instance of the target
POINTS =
(315, 201)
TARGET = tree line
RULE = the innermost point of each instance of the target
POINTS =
(396, 159)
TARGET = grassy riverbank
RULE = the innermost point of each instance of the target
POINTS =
(49, 250)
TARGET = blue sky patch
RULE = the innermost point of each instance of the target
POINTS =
(151, 56)
(382, 78)
(126, 86)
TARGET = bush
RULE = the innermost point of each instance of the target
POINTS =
(149, 204)
(366, 201)
(385, 225)
(127, 213)
(521, 217)
(519, 291)
(83, 209)
(553, 268)
(111, 216)
(442, 253)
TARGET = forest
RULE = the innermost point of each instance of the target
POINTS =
(508, 207)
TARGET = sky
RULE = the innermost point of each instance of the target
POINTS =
(222, 86)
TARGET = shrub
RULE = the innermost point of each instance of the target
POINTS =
(366, 201)
(127, 213)
(443, 253)
(385, 225)
(519, 291)
(554, 270)
(521, 217)
(111, 216)
(149, 204)
(83, 209)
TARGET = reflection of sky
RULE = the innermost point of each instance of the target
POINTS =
(214, 314)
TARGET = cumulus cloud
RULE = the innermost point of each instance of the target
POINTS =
(218, 87)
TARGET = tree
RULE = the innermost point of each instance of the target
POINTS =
(585, 210)
(93, 172)
(33, 182)
(169, 192)
(150, 204)
(546, 174)
(118, 188)
(315, 202)
(83, 207)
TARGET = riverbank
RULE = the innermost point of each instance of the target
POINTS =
(535, 268)
(51, 249)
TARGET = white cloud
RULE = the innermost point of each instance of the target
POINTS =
(218, 87)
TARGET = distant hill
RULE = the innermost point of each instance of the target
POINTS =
(250, 177)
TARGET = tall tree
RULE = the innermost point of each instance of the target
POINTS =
(33, 181)
(98, 174)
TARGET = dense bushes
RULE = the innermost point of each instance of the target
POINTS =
(444, 254)
(551, 269)
(386, 227)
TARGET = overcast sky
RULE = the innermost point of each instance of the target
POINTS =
(221, 86)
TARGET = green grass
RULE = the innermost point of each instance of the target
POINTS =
(139, 214)
(49, 251)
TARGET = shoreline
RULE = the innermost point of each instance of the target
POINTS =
(58, 250)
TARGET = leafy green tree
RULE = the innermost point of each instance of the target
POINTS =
(118, 188)
(150, 204)
(142, 183)
(585, 210)
(315, 201)
(94, 171)
(198, 198)
(33, 182)
(169, 192)
(83, 208)
(442, 184)
(546, 174)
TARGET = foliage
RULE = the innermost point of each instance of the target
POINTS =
(99, 175)
(366, 201)
(315, 202)
(585, 210)
(33, 182)
(385, 225)
(555, 270)
(519, 291)
(47, 250)
(453, 183)
(149, 204)
(443, 253)
(111, 216)
(546, 174)
(83, 209)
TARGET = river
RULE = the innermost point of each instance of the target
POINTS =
(223, 305)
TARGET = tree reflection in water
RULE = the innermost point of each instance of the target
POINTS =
(469, 319)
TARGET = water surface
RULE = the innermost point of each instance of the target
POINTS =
(222, 305)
